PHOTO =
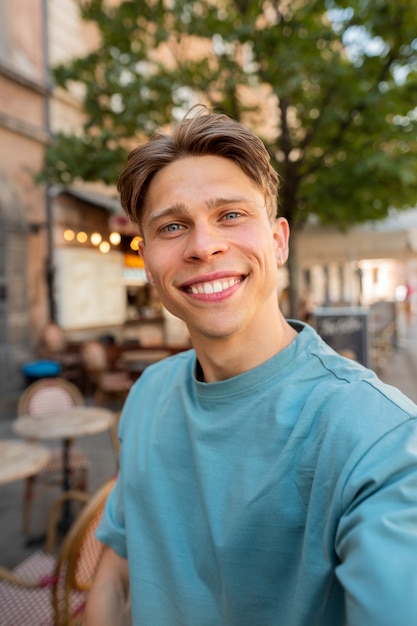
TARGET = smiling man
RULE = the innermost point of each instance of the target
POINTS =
(264, 479)
(212, 252)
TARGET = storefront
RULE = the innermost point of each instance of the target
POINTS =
(100, 281)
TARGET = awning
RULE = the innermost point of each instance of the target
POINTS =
(118, 220)
(92, 197)
(395, 237)
(123, 225)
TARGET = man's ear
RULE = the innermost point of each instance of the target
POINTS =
(142, 253)
(281, 230)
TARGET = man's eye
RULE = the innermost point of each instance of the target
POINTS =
(171, 228)
(232, 215)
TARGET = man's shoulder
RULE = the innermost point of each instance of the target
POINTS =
(339, 385)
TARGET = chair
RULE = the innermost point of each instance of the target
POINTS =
(42, 396)
(108, 384)
(54, 345)
(49, 590)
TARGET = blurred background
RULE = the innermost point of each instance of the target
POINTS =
(329, 86)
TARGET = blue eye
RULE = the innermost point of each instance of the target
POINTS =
(232, 215)
(171, 228)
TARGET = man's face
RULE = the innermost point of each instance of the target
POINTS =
(210, 248)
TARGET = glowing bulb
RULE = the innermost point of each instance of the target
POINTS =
(115, 238)
(69, 234)
(134, 244)
(82, 236)
(104, 247)
(95, 239)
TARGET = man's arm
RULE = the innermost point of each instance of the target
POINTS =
(108, 601)
(377, 535)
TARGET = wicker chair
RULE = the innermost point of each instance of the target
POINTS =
(108, 384)
(54, 346)
(50, 394)
(50, 590)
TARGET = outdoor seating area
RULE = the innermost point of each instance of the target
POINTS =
(48, 589)
(100, 365)
(58, 459)
(45, 396)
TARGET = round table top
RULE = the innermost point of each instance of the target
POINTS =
(19, 459)
(78, 421)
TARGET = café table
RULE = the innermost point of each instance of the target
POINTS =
(19, 459)
(68, 424)
(135, 361)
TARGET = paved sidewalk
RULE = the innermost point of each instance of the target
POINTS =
(400, 371)
(401, 368)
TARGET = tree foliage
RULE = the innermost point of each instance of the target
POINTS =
(330, 85)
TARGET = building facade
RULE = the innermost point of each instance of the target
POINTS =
(34, 255)
(23, 136)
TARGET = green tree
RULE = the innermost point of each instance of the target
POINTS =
(330, 85)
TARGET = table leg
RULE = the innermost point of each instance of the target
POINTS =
(66, 519)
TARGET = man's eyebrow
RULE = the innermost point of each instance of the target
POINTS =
(175, 210)
(214, 203)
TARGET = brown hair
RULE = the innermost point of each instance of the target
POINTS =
(204, 133)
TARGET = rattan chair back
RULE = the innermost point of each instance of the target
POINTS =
(79, 557)
(49, 394)
(53, 592)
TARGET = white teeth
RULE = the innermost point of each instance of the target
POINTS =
(216, 286)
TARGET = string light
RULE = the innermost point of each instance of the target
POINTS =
(104, 247)
(69, 234)
(115, 238)
(95, 238)
(82, 236)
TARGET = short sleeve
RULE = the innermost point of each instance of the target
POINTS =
(111, 530)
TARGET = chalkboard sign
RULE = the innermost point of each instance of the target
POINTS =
(345, 330)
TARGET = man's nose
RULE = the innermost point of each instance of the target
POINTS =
(203, 242)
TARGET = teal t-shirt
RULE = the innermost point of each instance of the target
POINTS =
(285, 496)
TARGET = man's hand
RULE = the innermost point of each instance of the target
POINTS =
(108, 601)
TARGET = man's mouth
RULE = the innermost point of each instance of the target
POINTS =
(213, 286)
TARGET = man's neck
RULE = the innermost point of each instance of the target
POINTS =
(220, 359)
